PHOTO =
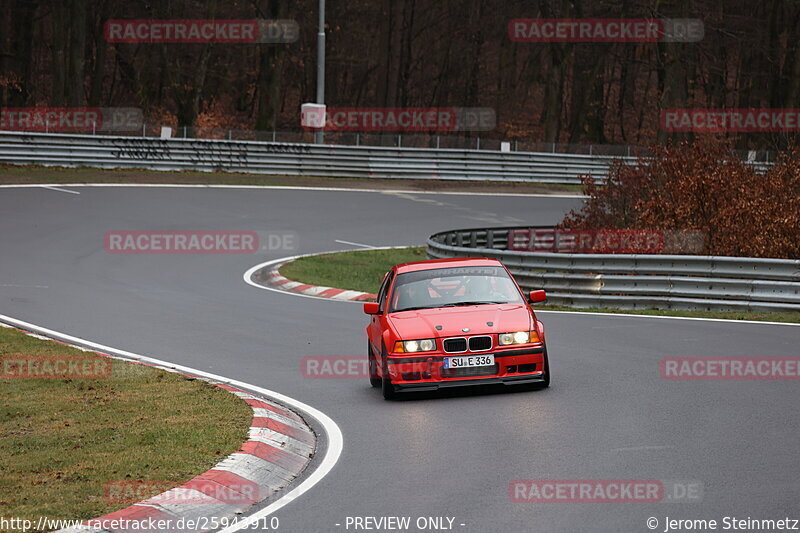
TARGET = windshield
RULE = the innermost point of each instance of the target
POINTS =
(453, 287)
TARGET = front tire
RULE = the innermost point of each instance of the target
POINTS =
(546, 382)
(374, 379)
(539, 385)
(386, 383)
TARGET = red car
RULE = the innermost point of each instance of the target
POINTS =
(451, 323)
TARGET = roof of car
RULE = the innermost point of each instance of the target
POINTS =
(431, 264)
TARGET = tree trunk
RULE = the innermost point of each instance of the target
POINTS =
(59, 54)
(77, 51)
(394, 51)
(100, 49)
(270, 71)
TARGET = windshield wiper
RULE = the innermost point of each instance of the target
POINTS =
(454, 304)
(416, 308)
(460, 304)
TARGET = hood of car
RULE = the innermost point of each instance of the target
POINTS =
(422, 323)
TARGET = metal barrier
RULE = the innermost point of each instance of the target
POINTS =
(635, 281)
(296, 159)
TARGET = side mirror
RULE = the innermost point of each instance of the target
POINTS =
(537, 296)
(372, 308)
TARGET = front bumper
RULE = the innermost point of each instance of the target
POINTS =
(426, 373)
(447, 384)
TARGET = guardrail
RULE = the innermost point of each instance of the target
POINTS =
(635, 281)
(297, 159)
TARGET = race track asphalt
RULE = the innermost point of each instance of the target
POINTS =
(608, 414)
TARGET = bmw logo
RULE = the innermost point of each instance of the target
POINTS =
(465, 330)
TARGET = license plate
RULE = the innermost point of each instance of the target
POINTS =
(465, 361)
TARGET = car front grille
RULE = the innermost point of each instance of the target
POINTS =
(480, 344)
(456, 345)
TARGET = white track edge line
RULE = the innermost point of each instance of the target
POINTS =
(247, 276)
(335, 443)
(253, 270)
(54, 188)
(287, 188)
(728, 320)
(369, 246)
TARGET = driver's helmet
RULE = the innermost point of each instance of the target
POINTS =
(479, 288)
(410, 295)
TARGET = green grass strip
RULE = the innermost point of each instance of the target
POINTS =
(62, 441)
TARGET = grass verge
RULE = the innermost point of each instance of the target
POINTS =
(16, 174)
(360, 270)
(363, 270)
(63, 441)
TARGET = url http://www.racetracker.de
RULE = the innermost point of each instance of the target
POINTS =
(205, 523)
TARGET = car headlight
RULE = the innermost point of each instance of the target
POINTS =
(423, 345)
(518, 337)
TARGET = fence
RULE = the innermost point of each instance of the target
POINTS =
(406, 140)
(464, 141)
(635, 281)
